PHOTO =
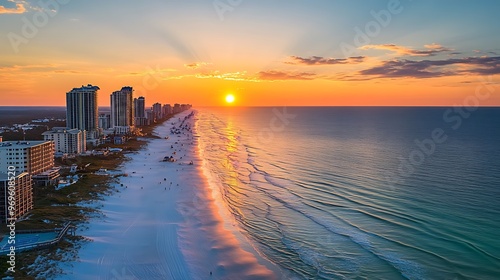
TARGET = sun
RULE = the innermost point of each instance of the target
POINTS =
(229, 98)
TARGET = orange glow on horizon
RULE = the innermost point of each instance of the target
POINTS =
(50, 90)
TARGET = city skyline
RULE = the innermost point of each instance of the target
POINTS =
(336, 53)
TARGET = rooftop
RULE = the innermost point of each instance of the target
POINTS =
(21, 144)
(62, 130)
(88, 87)
(48, 172)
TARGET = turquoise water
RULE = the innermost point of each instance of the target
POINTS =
(325, 194)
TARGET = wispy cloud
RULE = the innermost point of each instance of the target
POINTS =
(19, 8)
(215, 74)
(196, 65)
(149, 71)
(275, 75)
(230, 76)
(28, 68)
(430, 50)
(318, 60)
(434, 68)
(70, 72)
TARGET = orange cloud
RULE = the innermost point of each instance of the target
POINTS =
(430, 50)
(275, 75)
(19, 9)
(230, 76)
(196, 65)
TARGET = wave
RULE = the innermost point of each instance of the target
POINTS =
(326, 224)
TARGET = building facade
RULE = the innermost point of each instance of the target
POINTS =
(150, 117)
(140, 107)
(122, 110)
(82, 111)
(104, 121)
(66, 141)
(33, 157)
(157, 112)
(177, 108)
(27, 156)
(167, 110)
(22, 188)
(140, 111)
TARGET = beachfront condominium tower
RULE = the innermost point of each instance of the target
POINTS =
(167, 110)
(140, 107)
(81, 110)
(140, 111)
(122, 110)
(157, 113)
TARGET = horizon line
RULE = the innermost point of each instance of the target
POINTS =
(266, 106)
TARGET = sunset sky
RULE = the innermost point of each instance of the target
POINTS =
(266, 53)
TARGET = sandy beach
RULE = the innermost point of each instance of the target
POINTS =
(166, 222)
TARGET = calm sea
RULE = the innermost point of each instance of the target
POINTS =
(362, 193)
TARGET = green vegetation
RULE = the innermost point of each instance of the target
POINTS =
(132, 145)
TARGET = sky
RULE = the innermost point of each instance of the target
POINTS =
(265, 53)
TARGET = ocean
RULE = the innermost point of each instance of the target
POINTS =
(361, 192)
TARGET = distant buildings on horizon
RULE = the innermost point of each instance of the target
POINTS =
(127, 113)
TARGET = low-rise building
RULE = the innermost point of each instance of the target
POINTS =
(67, 141)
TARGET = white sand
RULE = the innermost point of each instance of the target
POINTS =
(152, 232)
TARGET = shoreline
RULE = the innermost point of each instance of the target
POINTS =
(164, 222)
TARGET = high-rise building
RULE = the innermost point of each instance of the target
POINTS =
(177, 108)
(23, 195)
(150, 117)
(140, 107)
(185, 107)
(157, 114)
(81, 110)
(122, 110)
(140, 111)
(66, 141)
(167, 109)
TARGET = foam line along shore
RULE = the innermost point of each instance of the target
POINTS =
(164, 222)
